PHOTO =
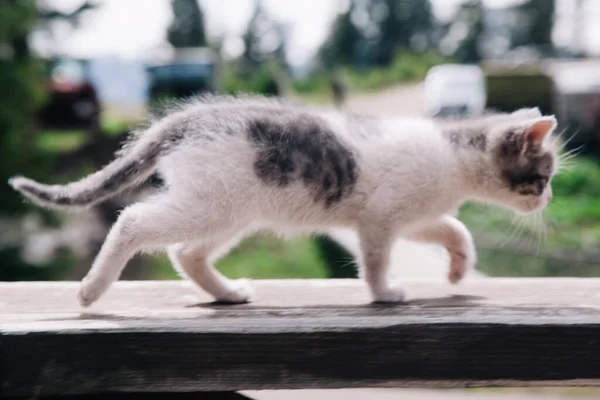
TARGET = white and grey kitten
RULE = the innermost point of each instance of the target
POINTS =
(235, 166)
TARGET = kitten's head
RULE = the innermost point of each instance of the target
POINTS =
(524, 157)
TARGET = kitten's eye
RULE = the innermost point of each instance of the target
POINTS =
(548, 169)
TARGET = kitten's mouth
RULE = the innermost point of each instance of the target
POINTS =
(539, 205)
(542, 203)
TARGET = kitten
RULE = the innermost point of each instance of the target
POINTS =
(234, 166)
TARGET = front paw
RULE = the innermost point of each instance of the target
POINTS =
(239, 292)
(88, 293)
(392, 294)
(460, 263)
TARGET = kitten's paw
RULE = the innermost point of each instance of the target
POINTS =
(240, 292)
(88, 293)
(460, 264)
(392, 294)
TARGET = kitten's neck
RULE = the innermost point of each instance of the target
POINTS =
(469, 143)
(476, 172)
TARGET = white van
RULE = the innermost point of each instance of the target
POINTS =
(455, 90)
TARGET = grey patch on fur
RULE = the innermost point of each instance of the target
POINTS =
(302, 148)
(472, 132)
(512, 144)
(491, 116)
(467, 138)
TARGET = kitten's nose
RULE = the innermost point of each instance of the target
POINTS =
(549, 197)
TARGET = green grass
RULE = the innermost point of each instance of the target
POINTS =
(114, 126)
(68, 140)
(61, 141)
(263, 257)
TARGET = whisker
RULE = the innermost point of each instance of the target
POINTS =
(520, 224)
(566, 142)
(567, 157)
(531, 230)
(349, 263)
(567, 164)
(553, 224)
(574, 152)
(541, 232)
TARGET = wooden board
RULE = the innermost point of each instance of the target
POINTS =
(165, 337)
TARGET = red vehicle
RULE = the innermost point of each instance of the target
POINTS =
(73, 102)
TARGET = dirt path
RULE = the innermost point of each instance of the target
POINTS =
(397, 100)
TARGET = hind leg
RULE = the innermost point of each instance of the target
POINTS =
(141, 226)
(193, 261)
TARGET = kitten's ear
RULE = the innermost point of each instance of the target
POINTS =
(527, 113)
(536, 131)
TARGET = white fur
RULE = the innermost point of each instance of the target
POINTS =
(411, 180)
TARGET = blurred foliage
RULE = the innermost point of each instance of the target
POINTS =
(525, 27)
(471, 16)
(262, 68)
(406, 67)
(21, 80)
(187, 28)
(402, 24)
(375, 44)
(372, 33)
(536, 25)
(263, 40)
(259, 80)
(342, 45)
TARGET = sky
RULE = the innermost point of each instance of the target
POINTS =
(128, 28)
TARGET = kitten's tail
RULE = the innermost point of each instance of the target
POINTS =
(130, 169)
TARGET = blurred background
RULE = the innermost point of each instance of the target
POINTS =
(76, 75)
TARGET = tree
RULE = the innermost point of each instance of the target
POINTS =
(48, 17)
(187, 28)
(342, 46)
(538, 18)
(470, 15)
(372, 33)
(399, 24)
(262, 67)
(73, 17)
(263, 40)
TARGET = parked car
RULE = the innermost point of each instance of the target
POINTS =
(182, 73)
(455, 90)
(73, 101)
